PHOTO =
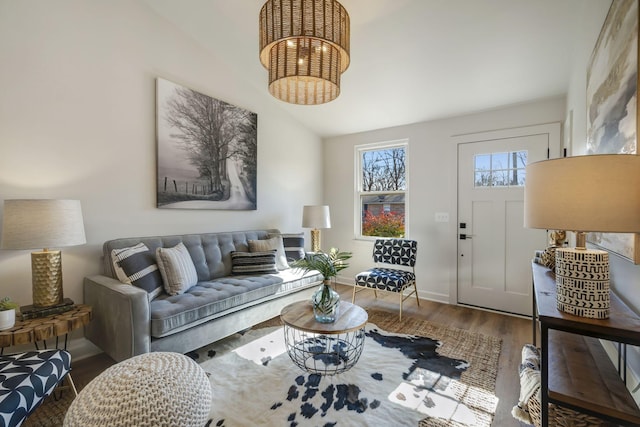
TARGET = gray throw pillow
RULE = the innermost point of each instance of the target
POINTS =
(270, 244)
(177, 269)
(293, 245)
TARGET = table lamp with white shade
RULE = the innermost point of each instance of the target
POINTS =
(43, 224)
(316, 217)
(598, 193)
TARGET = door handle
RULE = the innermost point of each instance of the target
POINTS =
(465, 236)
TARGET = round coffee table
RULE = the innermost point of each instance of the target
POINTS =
(324, 348)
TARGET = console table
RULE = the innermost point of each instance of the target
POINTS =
(576, 372)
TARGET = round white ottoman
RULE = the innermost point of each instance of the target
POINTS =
(152, 389)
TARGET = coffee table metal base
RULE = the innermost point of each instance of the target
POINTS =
(324, 354)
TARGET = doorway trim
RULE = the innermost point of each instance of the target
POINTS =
(555, 146)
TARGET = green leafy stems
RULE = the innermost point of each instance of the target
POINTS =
(7, 304)
(328, 264)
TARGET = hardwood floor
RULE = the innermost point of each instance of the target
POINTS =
(514, 331)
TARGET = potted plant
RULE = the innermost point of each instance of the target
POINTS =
(325, 300)
(7, 313)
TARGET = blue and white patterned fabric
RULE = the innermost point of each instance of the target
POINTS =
(391, 251)
(26, 379)
(386, 279)
(395, 251)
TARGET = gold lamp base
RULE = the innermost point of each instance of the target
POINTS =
(46, 275)
(315, 240)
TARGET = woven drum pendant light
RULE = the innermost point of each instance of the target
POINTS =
(305, 46)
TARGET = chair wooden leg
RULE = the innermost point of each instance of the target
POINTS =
(375, 293)
(415, 289)
(401, 300)
(353, 298)
(62, 387)
(72, 386)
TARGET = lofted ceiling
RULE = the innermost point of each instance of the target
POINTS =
(411, 60)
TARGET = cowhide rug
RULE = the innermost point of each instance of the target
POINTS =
(399, 380)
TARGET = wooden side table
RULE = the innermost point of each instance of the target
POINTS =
(43, 328)
(324, 348)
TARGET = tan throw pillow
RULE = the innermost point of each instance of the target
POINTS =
(177, 269)
(269, 244)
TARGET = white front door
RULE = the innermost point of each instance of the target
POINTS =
(494, 248)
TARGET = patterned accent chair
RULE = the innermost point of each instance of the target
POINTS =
(26, 379)
(401, 255)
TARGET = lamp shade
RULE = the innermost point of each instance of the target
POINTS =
(598, 193)
(42, 223)
(316, 217)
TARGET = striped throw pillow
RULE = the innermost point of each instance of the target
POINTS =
(137, 266)
(263, 262)
(177, 269)
(293, 245)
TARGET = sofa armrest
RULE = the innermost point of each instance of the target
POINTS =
(121, 324)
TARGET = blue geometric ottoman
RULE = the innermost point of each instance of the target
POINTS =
(26, 379)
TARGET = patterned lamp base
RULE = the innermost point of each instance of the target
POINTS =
(46, 271)
(582, 279)
(315, 240)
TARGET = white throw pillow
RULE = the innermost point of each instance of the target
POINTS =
(176, 268)
(270, 244)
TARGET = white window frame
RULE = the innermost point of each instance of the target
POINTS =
(358, 193)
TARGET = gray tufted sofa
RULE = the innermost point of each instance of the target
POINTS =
(125, 323)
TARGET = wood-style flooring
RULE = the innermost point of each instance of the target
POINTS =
(514, 331)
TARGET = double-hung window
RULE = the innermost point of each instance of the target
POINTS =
(381, 190)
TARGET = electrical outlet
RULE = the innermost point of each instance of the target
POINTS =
(442, 217)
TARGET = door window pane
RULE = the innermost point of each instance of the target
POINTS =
(500, 169)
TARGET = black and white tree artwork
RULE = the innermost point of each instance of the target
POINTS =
(207, 151)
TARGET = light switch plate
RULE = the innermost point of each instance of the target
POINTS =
(442, 217)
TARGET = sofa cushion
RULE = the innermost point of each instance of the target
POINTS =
(271, 244)
(216, 298)
(177, 269)
(136, 265)
(263, 262)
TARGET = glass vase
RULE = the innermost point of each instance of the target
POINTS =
(325, 303)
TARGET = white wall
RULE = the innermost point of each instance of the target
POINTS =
(432, 188)
(625, 276)
(77, 120)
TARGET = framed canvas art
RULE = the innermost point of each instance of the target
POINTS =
(612, 104)
(206, 151)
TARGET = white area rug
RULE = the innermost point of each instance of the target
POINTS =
(398, 381)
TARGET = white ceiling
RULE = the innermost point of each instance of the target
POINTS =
(411, 60)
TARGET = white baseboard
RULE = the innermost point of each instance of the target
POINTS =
(81, 348)
(633, 366)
